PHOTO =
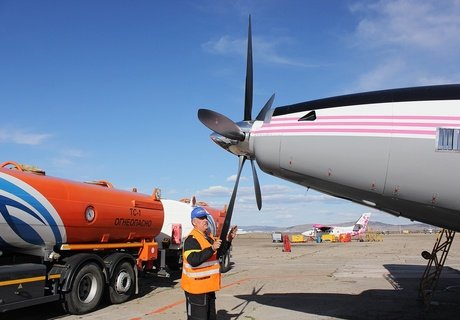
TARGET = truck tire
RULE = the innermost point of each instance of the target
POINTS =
(87, 289)
(122, 283)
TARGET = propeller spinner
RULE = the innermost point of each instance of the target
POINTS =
(234, 137)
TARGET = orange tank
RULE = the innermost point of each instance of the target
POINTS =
(38, 210)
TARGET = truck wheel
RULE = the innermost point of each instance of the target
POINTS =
(225, 262)
(122, 283)
(87, 289)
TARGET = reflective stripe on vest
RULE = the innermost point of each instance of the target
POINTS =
(197, 273)
(204, 264)
(205, 277)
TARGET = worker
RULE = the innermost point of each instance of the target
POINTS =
(201, 269)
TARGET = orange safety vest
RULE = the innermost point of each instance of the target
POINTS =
(205, 277)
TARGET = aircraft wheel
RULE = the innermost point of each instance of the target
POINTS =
(122, 283)
(87, 289)
(225, 262)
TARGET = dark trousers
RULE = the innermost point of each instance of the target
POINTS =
(201, 306)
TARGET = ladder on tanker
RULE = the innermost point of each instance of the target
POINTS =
(435, 264)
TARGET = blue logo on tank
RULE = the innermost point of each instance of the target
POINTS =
(35, 208)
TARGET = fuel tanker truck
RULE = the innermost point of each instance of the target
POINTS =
(77, 242)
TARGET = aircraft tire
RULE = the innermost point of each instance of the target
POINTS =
(122, 283)
(87, 290)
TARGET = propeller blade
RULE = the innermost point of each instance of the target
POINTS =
(248, 89)
(228, 217)
(267, 106)
(256, 186)
(221, 124)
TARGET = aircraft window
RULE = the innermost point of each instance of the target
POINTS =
(448, 139)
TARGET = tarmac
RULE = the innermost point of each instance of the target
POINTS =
(354, 280)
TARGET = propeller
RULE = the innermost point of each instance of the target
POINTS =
(220, 124)
(234, 137)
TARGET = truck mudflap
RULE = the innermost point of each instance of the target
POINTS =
(22, 285)
(71, 266)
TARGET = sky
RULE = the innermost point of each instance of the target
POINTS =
(110, 89)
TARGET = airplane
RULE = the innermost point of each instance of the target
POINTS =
(394, 150)
(356, 230)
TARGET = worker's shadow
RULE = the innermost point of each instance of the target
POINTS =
(225, 315)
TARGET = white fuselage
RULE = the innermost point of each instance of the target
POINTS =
(388, 155)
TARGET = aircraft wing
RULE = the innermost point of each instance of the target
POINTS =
(322, 227)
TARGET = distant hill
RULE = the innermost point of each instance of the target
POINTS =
(373, 226)
(259, 228)
(414, 227)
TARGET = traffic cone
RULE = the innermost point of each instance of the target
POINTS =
(286, 243)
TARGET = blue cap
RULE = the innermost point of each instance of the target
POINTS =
(198, 212)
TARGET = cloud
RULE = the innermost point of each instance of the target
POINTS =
(407, 42)
(272, 195)
(232, 178)
(378, 77)
(284, 216)
(214, 192)
(73, 153)
(265, 50)
(21, 137)
(226, 46)
(66, 157)
(413, 24)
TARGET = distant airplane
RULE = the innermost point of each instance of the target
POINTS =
(358, 229)
(393, 150)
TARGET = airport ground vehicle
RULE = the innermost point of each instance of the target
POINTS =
(277, 237)
(76, 242)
